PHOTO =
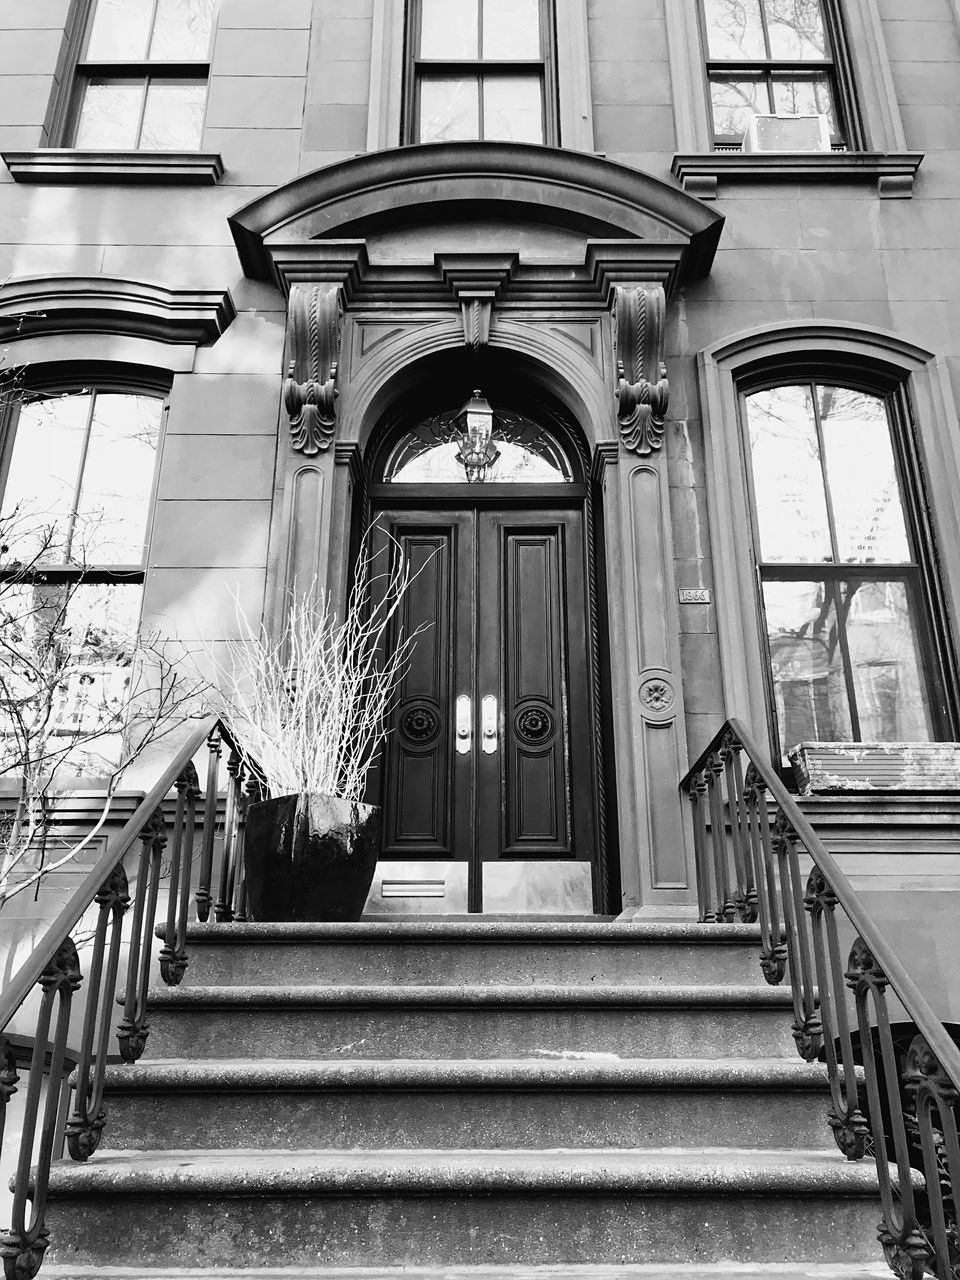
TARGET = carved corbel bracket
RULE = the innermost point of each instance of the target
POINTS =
(476, 279)
(309, 392)
(643, 392)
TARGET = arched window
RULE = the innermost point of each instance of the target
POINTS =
(840, 564)
(77, 466)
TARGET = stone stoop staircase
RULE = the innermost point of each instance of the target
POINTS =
(463, 1099)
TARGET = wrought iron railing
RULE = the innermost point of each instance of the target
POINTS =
(165, 858)
(900, 1107)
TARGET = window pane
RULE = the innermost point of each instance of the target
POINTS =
(796, 29)
(806, 663)
(735, 102)
(787, 477)
(43, 476)
(117, 478)
(734, 29)
(887, 679)
(864, 490)
(120, 29)
(511, 28)
(449, 108)
(449, 29)
(512, 109)
(173, 119)
(810, 96)
(109, 115)
(182, 29)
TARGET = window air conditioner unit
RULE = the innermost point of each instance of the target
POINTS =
(787, 133)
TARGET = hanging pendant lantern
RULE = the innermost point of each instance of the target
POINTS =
(476, 450)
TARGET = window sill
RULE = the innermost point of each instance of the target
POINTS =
(893, 172)
(64, 164)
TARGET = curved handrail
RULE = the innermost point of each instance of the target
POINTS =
(28, 975)
(747, 832)
(911, 997)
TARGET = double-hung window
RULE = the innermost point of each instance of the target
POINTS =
(842, 578)
(77, 472)
(776, 57)
(480, 70)
(141, 79)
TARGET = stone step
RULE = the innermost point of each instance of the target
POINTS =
(652, 1271)
(459, 951)
(443, 1208)
(596, 1101)
(703, 1020)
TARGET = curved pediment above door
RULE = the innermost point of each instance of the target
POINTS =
(605, 220)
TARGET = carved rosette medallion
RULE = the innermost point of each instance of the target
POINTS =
(534, 725)
(642, 390)
(656, 694)
(309, 392)
(420, 725)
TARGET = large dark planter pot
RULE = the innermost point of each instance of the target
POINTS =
(310, 857)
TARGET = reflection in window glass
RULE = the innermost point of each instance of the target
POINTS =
(889, 689)
(796, 30)
(735, 103)
(449, 29)
(110, 114)
(511, 29)
(117, 477)
(804, 97)
(173, 116)
(182, 30)
(512, 109)
(791, 508)
(449, 109)
(734, 29)
(120, 29)
(44, 474)
(806, 662)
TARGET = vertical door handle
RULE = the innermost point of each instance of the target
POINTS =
(463, 727)
(488, 724)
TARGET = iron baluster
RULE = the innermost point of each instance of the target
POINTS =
(746, 887)
(223, 911)
(904, 1244)
(9, 1079)
(849, 1125)
(88, 1115)
(698, 792)
(23, 1246)
(133, 1029)
(807, 1031)
(204, 899)
(173, 957)
(726, 907)
(773, 952)
(933, 1099)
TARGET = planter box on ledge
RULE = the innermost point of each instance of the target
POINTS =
(875, 766)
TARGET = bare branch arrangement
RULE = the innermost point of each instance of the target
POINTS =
(309, 706)
(81, 694)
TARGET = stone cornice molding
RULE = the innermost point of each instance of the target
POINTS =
(38, 306)
(701, 174)
(314, 319)
(643, 392)
(355, 197)
(68, 165)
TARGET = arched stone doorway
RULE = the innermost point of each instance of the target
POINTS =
(489, 777)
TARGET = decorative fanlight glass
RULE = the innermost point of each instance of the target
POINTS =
(478, 444)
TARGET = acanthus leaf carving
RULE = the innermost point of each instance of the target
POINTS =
(309, 391)
(643, 392)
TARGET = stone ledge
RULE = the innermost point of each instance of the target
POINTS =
(893, 172)
(64, 164)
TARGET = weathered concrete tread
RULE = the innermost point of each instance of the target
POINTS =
(618, 995)
(698, 1172)
(682, 1271)
(460, 930)
(578, 1071)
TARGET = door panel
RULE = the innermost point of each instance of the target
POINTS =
(500, 597)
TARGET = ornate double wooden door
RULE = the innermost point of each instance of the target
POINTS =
(490, 753)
